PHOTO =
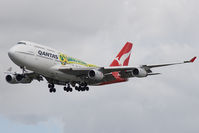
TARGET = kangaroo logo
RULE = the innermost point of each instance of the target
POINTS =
(122, 58)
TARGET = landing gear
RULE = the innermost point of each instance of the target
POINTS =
(77, 86)
(82, 87)
(68, 88)
(52, 89)
(23, 68)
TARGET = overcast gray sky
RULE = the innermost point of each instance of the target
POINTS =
(94, 31)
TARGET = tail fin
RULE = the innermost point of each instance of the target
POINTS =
(122, 59)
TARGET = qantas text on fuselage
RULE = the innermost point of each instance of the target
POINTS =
(47, 54)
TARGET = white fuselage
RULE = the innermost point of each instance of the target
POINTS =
(42, 60)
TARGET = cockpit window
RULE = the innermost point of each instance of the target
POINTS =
(21, 43)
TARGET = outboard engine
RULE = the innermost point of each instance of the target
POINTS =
(139, 72)
(11, 79)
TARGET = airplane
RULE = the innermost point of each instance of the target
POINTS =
(40, 62)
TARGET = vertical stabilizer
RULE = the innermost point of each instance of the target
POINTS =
(122, 59)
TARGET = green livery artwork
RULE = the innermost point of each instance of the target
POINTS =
(64, 59)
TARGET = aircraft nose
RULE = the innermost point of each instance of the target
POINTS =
(11, 52)
(15, 55)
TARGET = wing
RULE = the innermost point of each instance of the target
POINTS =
(124, 71)
(76, 71)
(162, 65)
(85, 70)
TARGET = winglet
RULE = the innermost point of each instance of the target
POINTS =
(193, 59)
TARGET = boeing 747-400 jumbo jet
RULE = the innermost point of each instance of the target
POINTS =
(38, 62)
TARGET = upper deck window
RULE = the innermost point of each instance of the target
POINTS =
(21, 43)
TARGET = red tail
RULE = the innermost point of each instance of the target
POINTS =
(122, 59)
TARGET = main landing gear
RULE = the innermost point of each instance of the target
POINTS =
(68, 88)
(51, 88)
(82, 87)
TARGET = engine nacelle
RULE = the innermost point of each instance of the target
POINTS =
(18, 78)
(11, 79)
(139, 72)
(95, 74)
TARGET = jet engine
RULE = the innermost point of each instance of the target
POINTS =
(95, 74)
(11, 79)
(18, 78)
(139, 72)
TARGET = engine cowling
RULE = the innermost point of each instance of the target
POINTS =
(18, 78)
(95, 74)
(11, 79)
(139, 72)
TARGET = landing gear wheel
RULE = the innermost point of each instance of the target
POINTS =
(70, 89)
(52, 90)
(77, 88)
(82, 88)
(87, 88)
(65, 89)
(51, 85)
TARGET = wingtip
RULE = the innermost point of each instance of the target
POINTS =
(193, 59)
